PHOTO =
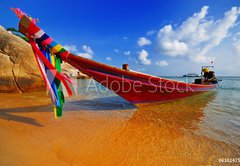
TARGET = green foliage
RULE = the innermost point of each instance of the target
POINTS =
(17, 33)
(12, 29)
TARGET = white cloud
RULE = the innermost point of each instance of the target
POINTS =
(108, 58)
(151, 32)
(236, 44)
(140, 69)
(197, 35)
(125, 38)
(71, 48)
(87, 49)
(116, 50)
(142, 41)
(174, 48)
(87, 54)
(162, 63)
(237, 48)
(127, 53)
(143, 58)
(236, 37)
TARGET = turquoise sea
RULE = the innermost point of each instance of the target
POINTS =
(220, 108)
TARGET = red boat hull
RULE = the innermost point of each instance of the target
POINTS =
(136, 87)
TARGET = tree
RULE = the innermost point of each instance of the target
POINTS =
(17, 33)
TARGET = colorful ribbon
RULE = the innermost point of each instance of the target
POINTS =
(20, 14)
(46, 52)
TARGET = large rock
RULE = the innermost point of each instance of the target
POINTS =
(18, 68)
(72, 72)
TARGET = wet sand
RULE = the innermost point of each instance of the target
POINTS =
(96, 132)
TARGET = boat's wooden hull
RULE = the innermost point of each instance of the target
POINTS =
(136, 87)
(133, 86)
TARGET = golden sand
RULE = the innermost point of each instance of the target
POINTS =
(160, 134)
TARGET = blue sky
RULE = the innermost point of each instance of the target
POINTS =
(156, 37)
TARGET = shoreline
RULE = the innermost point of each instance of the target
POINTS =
(96, 132)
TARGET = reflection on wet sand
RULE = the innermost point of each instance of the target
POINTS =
(176, 115)
(167, 133)
(164, 133)
(108, 131)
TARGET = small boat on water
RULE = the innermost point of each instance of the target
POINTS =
(192, 75)
(138, 87)
(133, 86)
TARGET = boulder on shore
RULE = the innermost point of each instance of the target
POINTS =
(72, 72)
(19, 72)
(18, 68)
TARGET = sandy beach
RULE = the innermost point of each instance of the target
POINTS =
(93, 133)
(119, 83)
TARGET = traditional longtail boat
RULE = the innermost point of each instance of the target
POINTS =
(133, 86)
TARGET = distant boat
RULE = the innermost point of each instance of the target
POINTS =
(133, 86)
(192, 75)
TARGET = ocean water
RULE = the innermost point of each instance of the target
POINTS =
(213, 116)
(220, 108)
(100, 128)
